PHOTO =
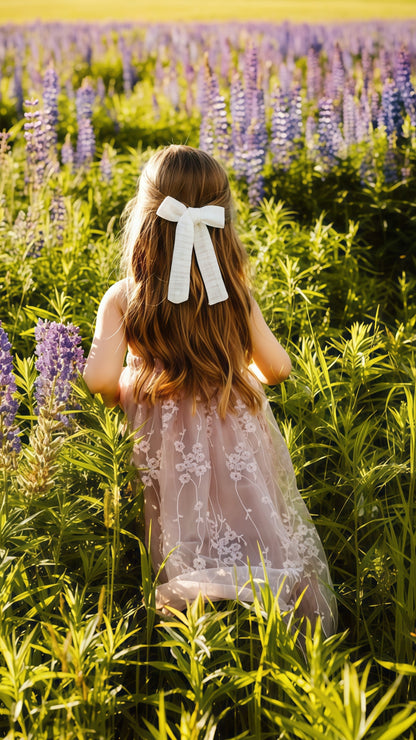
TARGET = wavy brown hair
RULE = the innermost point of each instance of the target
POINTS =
(204, 350)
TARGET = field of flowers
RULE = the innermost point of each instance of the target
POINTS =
(317, 127)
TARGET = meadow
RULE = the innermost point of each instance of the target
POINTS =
(316, 125)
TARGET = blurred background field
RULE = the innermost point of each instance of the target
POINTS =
(164, 10)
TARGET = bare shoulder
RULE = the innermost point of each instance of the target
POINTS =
(118, 294)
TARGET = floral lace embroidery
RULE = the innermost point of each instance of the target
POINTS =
(225, 541)
(245, 418)
(193, 462)
(151, 471)
(169, 409)
(229, 488)
(239, 461)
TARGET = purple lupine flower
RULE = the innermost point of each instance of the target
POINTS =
(336, 79)
(206, 131)
(367, 65)
(128, 73)
(391, 110)
(255, 138)
(409, 101)
(402, 75)
(374, 103)
(295, 115)
(226, 58)
(60, 358)
(50, 104)
(259, 115)
(255, 156)
(363, 120)
(286, 126)
(313, 75)
(238, 120)
(36, 147)
(17, 84)
(404, 84)
(189, 73)
(250, 82)
(384, 64)
(86, 138)
(67, 151)
(280, 143)
(85, 97)
(329, 135)
(9, 431)
(222, 140)
(349, 117)
(35, 77)
(85, 142)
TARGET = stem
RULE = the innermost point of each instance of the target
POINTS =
(4, 509)
(115, 545)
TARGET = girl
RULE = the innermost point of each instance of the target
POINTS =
(219, 486)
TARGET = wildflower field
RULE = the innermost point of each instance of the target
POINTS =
(317, 128)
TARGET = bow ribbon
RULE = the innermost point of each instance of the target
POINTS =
(191, 232)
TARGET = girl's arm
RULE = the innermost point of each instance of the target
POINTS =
(271, 363)
(108, 349)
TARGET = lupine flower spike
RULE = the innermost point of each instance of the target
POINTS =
(86, 138)
(50, 104)
(59, 359)
(9, 431)
(36, 145)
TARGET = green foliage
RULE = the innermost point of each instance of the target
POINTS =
(83, 651)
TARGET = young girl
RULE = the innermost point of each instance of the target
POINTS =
(219, 486)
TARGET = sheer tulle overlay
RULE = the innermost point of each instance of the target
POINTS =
(218, 493)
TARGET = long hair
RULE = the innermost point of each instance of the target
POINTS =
(204, 351)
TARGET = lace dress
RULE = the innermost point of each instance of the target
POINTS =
(220, 493)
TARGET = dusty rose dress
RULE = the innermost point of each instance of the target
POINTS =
(217, 493)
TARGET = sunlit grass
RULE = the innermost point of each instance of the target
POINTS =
(187, 10)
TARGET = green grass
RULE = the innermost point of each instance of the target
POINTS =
(166, 10)
(83, 653)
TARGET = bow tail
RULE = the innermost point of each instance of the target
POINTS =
(208, 265)
(178, 289)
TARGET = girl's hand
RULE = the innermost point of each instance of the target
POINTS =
(105, 360)
(271, 363)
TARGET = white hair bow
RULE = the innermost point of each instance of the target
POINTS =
(192, 232)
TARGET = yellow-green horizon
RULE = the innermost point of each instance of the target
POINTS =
(321, 11)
